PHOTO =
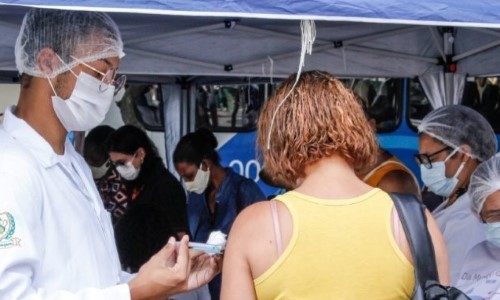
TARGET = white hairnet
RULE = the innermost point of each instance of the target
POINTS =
(484, 181)
(88, 36)
(456, 125)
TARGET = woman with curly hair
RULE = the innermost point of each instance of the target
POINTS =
(333, 236)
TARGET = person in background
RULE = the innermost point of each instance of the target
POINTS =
(109, 183)
(56, 239)
(387, 172)
(480, 275)
(216, 194)
(453, 140)
(333, 236)
(157, 202)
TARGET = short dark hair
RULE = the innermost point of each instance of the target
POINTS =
(197, 146)
(95, 149)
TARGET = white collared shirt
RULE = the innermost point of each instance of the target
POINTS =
(480, 276)
(461, 230)
(56, 238)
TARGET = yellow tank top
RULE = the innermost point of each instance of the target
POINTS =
(374, 177)
(339, 249)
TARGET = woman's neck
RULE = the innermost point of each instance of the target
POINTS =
(217, 174)
(332, 178)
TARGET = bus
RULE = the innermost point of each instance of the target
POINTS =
(230, 107)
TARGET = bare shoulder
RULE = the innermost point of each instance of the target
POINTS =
(399, 181)
(253, 217)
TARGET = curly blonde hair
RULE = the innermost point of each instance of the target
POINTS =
(321, 118)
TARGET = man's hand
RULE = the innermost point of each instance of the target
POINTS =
(171, 271)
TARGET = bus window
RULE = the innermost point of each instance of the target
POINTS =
(382, 98)
(142, 106)
(230, 107)
(481, 94)
(418, 103)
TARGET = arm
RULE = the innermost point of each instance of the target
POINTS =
(237, 280)
(175, 200)
(440, 250)
(399, 182)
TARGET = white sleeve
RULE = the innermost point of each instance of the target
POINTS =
(21, 243)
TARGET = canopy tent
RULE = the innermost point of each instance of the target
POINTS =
(439, 41)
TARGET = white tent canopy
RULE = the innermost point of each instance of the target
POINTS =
(262, 38)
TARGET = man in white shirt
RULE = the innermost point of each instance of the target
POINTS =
(56, 239)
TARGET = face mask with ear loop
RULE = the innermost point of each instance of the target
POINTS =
(435, 178)
(200, 182)
(128, 171)
(99, 172)
(86, 107)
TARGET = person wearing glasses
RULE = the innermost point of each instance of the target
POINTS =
(56, 238)
(480, 275)
(453, 140)
(156, 207)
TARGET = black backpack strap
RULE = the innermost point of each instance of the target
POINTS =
(412, 215)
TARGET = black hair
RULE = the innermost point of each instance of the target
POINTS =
(197, 146)
(95, 148)
(128, 139)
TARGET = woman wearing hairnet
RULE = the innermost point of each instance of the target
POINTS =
(453, 140)
(480, 275)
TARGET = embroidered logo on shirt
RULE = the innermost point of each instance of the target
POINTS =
(7, 229)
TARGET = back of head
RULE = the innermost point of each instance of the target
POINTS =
(456, 125)
(88, 36)
(319, 119)
(196, 146)
(128, 139)
(95, 149)
(484, 181)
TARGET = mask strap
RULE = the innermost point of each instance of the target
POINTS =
(60, 59)
(451, 154)
(52, 86)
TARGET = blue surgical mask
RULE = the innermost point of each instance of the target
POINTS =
(435, 178)
(493, 233)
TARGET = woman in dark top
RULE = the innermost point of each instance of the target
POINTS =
(216, 194)
(157, 201)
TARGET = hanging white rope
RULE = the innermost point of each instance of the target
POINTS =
(271, 68)
(308, 31)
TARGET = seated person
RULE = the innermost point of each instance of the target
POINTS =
(387, 172)
(109, 183)
(480, 275)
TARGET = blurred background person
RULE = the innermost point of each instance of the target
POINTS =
(216, 194)
(333, 236)
(480, 275)
(387, 172)
(109, 183)
(453, 140)
(157, 201)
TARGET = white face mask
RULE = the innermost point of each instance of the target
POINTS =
(435, 178)
(493, 233)
(86, 107)
(128, 171)
(200, 182)
(99, 172)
